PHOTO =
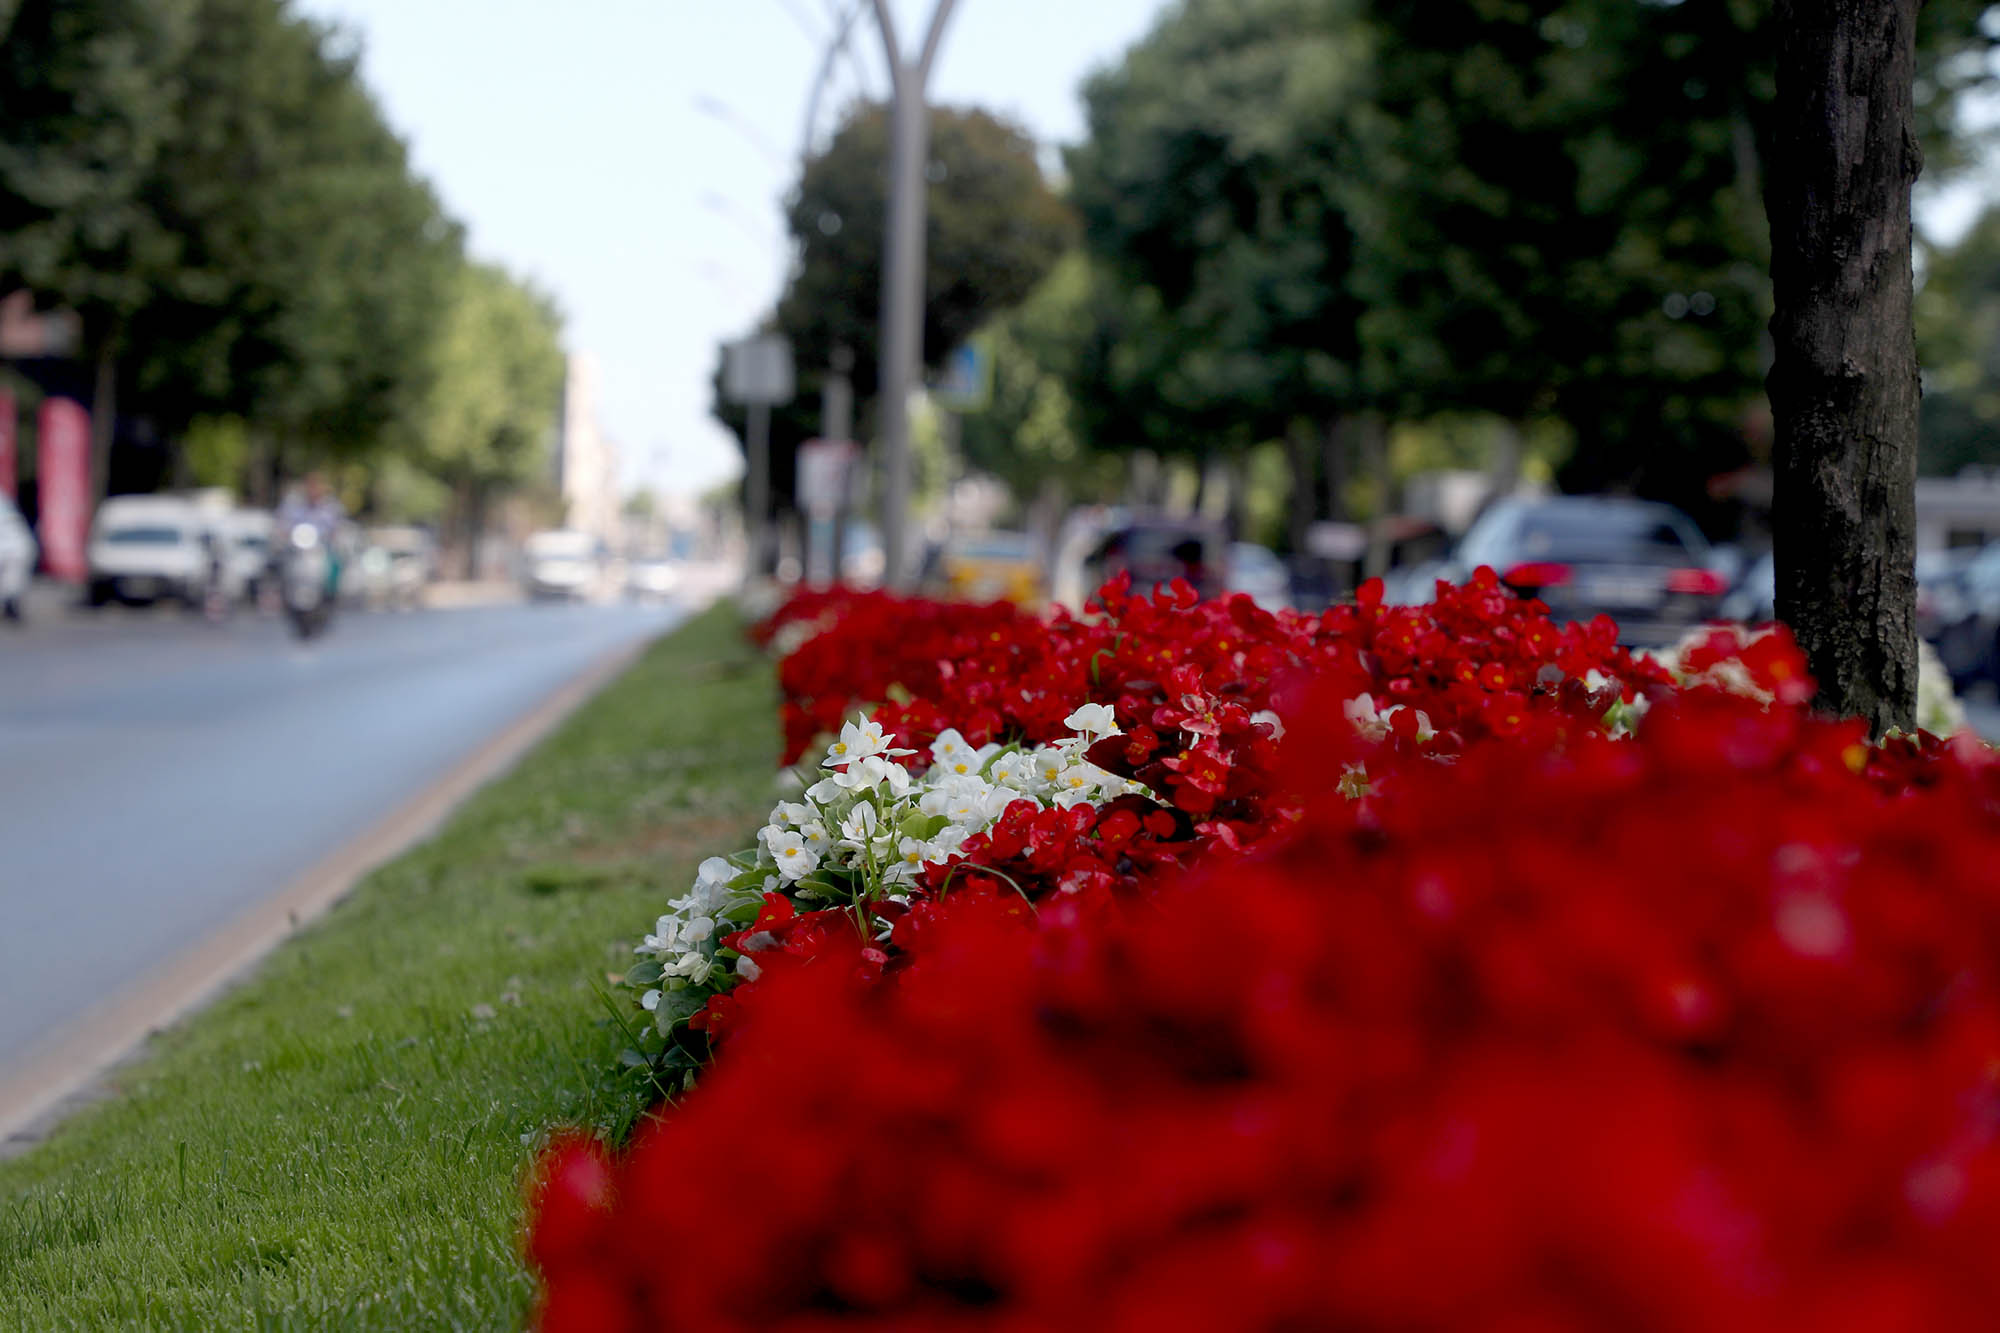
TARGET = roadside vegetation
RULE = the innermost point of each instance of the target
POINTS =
(338, 1142)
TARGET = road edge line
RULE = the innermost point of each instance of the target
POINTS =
(60, 1073)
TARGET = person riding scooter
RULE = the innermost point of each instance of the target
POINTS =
(307, 554)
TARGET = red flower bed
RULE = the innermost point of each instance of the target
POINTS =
(1695, 1031)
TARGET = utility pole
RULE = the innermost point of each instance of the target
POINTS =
(903, 274)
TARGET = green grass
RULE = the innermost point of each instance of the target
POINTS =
(339, 1142)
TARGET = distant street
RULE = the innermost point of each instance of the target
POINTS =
(158, 774)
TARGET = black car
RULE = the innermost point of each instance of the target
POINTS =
(1645, 565)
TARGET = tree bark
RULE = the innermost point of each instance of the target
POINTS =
(1336, 450)
(1843, 384)
(1301, 504)
(103, 414)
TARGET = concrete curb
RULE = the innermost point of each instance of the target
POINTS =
(63, 1071)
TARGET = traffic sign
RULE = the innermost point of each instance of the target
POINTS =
(966, 382)
(758, 370)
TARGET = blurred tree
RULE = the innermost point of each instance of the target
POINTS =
(208, 183)
(90, 93)
(995, 228)
(1029, 435)
(495, 388)
(1958, 344)
(1207, 189)
(1559, 208)
(314, 265)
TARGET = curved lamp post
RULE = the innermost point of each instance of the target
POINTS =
(903, 275)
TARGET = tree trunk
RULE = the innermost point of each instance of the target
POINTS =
(1843, 385)
(103, 414)
(1336, 450)
(1236, 473)
(1300, 504)
(1374, 435)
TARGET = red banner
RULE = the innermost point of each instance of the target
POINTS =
(63, 480)
(9, 437)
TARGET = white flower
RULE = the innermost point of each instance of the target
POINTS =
(1361, 712)
(859, 827)
(1015, 770)
(1049, 764)
(816, 837)
(914, 852)
(650, 1001)
(790, 814)
(952, 756)
(794, 858)
(858, 740)
(967, 800)
(748, 969)
(1093, 720)
(1271, 720)
(872, 772)
(698, 929)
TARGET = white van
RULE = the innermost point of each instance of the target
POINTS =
(562, 565)
(144, 548)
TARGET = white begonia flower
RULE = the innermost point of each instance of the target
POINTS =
(1361, 712)
(747, 968)
(951, 754)
(650, 1001)
(791, 814)
(715, 870)
(816, 837)
(795, 859)
(826, 790)
(698, 929)
(1093, 720)
(947, 840)
(872, 772)
(1271, 720)
(1049, 764)
(1015, 770)
(858, 828)
(858, 740)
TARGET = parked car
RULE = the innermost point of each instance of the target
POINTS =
(1754, 599)
(145, 548)
(1415, 584)
(652, 578)
(562, 565)
(1258, 571)
(1643, 564)
(1969, 644)
(397, 563)
(991, 567)
(17, 559)
(1155, 550)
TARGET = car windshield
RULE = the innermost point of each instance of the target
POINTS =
(148, 535)
(1635, 535)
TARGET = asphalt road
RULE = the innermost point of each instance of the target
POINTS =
(158, 774)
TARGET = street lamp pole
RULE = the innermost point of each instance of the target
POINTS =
(903, 275)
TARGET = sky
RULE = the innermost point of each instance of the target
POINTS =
(631, 156)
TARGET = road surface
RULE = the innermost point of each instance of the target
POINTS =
(159, 775)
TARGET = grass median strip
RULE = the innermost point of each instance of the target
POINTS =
(337, 1143)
